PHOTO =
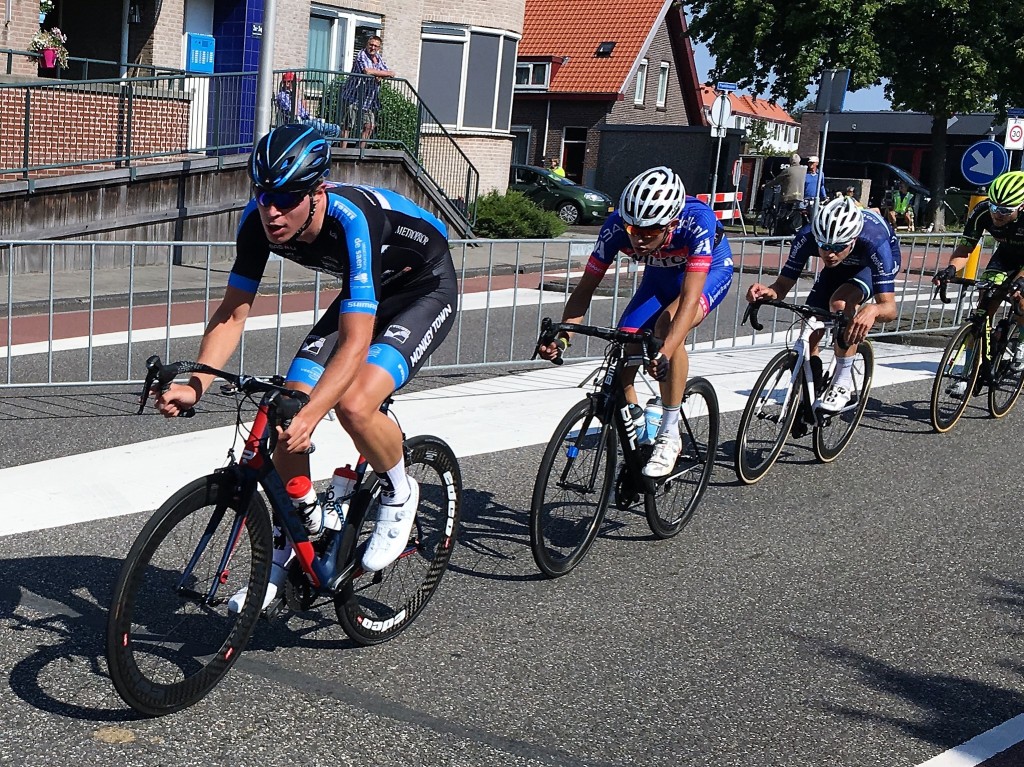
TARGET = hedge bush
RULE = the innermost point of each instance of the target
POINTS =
(514, 216)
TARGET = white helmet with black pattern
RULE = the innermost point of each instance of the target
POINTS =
(837, 221)
(653, 198)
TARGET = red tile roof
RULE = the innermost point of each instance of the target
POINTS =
(748, 106)
(574, 28)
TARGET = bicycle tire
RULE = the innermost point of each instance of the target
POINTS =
(562, 526)
(963, 351)
(1004, 383)
(833, 435)
(374, 607)
(755, 454)
(165, 657)
(670, 506)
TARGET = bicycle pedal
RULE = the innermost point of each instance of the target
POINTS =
(274, 610)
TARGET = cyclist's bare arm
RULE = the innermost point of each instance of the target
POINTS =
(575, 310)
(778, 289)
(870, 314)
(355, 333)
(220, 340)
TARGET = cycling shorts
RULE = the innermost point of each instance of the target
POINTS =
(1002, 267)
(409, 326)
(660, 287)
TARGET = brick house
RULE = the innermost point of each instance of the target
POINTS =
(460, 56)
(590, 64)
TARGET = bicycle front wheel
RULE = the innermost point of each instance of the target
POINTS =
(376, 606)
(834, 432)
(674, 499)
(955, 378)
(767, 418)
(170, 635)
(572, 489)
(1005, 382)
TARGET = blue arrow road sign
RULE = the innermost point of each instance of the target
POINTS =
(983, 161)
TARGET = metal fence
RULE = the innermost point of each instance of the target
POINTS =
(73, 328)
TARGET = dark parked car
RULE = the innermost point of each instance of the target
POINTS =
(573, 203)
(884, 179)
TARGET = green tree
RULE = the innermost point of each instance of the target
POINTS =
(940, 57)
(759, 139)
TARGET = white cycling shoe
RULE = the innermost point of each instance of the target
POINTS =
(958, 389)
(834, 399)
(278, 575)
(391, 533)
(666, 450)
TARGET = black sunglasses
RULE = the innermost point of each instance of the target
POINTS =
(833, 247)
(280, 200)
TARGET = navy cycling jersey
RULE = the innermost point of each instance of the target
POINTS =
(1009, 237)
(697, 244)
(377, 242)
(876, 247)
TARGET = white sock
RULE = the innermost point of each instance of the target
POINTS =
(669, 421)
(396, 485)
(844, 372)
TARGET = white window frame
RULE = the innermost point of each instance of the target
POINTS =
(451, 32)
(662, 84)
(532, 66)
(641, 84)
(352, 20)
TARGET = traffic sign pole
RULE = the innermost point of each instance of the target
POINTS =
(721, 111)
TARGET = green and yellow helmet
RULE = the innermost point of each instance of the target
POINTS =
(1007, 190)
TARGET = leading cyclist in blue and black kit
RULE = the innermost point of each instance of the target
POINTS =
(397, 303)
(861, 257)
(687, 274)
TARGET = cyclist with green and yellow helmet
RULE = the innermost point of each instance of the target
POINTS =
(1000, 216)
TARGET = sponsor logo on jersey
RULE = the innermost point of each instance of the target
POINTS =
(397, 332)
(422, 346)
(412, 234)
(313, 344)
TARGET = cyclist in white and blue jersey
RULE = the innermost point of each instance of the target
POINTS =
(396, 305)
(860, 257)
(687, 274)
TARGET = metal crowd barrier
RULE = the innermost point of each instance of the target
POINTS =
(101, 308)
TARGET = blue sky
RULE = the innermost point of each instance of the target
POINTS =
(864, 100)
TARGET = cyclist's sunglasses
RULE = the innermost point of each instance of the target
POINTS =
(1002, 210)
(645, 232)
(834, 247)
(280, 200)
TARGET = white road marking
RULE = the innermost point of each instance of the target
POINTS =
(982, 747)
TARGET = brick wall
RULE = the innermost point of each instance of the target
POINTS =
(70, 125)
(625, 112)
(24, 24)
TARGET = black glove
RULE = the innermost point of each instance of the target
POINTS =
(660, 366)
(944, 274)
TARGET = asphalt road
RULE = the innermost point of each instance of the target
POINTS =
(867, 612)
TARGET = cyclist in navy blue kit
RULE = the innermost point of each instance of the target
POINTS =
(687, 274)
(397, 303)
(860, 258)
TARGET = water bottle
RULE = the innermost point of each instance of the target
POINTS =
(639, 424)
(300, 490)
(336, 501)
(652, 417)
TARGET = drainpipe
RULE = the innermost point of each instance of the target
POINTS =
(124, 38)
(547, 120)
(265, 73)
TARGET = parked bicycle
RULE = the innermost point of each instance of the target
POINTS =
(577, 474)
(979, 354)
(170, 634)
(781, 403)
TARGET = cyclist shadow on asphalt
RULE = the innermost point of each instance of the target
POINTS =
(59, 606)
(907, 417)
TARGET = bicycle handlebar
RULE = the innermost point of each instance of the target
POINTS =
(981, 285)
(549, 330)
(825, 315)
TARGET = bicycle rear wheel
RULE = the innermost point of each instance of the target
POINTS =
(1004, 382)
(765, 424)
(834, 432)
(955, 378)
(674, 499)
(170, 635)
(376, 606)
(572, 489)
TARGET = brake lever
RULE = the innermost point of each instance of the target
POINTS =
(753, 309)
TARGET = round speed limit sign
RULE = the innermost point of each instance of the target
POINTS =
(1015, 136)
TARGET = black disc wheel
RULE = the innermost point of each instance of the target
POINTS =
(170, 633)
(673, 499)
(767, 418)
(955, 378)
(376, 606)
(834, 431)
(572, 489)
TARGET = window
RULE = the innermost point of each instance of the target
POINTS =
(335, 36)
(467, 75)
(532, 75)
(662, 84)
(641, 84)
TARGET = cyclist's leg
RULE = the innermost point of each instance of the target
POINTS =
(640, 314)
(846, 298)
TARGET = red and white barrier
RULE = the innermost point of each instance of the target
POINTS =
(733, 199)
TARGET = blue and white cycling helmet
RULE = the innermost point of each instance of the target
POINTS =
(653, 198)
(291, 158)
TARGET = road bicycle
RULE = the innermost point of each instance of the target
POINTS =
(979, 354)
(577, 474)
(170, 635)
(782, 400)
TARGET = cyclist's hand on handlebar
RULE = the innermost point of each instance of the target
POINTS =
(944, 274)
(175, 400)
(757, 292)
(297, 437)
(553, 351)
(859, 327)
(658, 367)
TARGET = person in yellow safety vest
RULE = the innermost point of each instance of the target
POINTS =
(902, 208)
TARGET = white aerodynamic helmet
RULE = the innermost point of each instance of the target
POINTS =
(653, 198)
(838, 220)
